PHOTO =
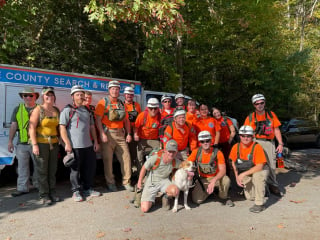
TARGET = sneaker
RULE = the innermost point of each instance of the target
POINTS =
(229, 203)
(45, 201)
(165, 202)
(18, 193)
(128, 187)
(112, 187)
(91, 193)
(77, 197)
(257, 208)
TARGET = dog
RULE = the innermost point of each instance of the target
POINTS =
(183, 180)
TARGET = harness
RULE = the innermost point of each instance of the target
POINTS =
(73, 110)
(242, 164)
(114, 114)
(262, 127)
(208, 168)
(157, 162)
(133, 114)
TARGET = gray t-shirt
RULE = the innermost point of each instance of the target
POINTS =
(163, 171)
(78, 128)
(14, 117)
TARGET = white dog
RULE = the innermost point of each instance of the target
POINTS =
(183, 180)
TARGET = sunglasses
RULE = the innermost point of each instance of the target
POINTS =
(28, 95)
(246, 136)
(153, 109)
(259, 103)
(166, 101)
(205, 141)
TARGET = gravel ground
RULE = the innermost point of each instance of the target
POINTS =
(294, 216)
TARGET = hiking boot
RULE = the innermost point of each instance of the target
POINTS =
(18, 193)
(55, 198)
(91, 193)
(77, 197)
(257, 208)
(165, 202)
(275, 190)
(112, 187)
(229, 203)
(128, 187)
(137, 200)
(46, 201)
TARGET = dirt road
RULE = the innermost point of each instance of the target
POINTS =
(111, 216)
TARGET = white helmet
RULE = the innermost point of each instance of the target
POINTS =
(245, 129)
(76, 88)
(179, 112)
(164, 97)
(113, 83)
(204, 135)
(128, 90)
(179, 95)
(257, 97)
(153, 103)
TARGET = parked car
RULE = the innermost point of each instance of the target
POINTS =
(300, 131)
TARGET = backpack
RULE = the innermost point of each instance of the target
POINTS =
(165, 121)
(133, 114)
(159, 153)
(117, 114)
(262, 127)
(210, 167)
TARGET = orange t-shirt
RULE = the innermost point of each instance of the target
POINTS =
(182, 137)
(206, 159)
(149, 130)
(100, 111)
(207, 124)
(129, 108)
(258, 153)
(165, 113)
(225, 130)
(191, 117)
(274, 123)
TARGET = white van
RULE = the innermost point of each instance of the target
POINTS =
(14, 78)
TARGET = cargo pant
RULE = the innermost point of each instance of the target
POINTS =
(46, 165)
(116, 144)
(255, 186)
(199, 196)
(23, 154)
(145, 146)
(270, 150)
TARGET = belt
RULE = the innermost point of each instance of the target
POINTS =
(115, 129)
(265, 139)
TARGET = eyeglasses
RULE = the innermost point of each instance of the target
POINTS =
(205, 141)
(28, 95)
(153, 109)
(246, 136)
(167, 101)
(258, 103)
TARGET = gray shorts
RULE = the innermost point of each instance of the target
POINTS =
(151, 190)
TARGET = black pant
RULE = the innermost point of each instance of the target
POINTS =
(83, 169)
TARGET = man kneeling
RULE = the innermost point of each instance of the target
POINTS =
(249, 165)
(160, 166)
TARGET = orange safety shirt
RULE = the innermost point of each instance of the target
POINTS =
(274, 123)
(207, 124)
(149, 129)
(225, 130)
(129, 108)
(258, 153)
(100, 111)
(182, 136)
(206, 159)
(165, 113)
(191, 117)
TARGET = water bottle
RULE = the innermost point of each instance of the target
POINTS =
(280, 162)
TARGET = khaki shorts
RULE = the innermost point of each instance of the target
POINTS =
(151, 190)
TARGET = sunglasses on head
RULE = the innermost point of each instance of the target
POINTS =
(205, 141)
(259, 103)
(246, 136)
(46, 87)
(153, 108)
(27, 95)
